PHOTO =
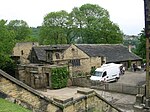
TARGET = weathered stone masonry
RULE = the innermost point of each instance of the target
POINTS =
(25, 95)
(20, 93)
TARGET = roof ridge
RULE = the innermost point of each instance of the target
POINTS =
(98, 44)
(53, 45)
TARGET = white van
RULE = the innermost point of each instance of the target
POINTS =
(107, 73)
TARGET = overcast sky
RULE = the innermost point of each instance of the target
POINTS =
(128, 14)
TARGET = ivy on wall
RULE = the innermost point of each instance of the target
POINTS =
(59, 77)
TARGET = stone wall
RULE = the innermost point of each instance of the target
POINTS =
(23, 50)
(86, 62)
(24, 95)
(36, 76)
(81, 81)
(32, 75)
(18, 92)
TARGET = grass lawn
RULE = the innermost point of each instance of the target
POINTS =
(6, 106)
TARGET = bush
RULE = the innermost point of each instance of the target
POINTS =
(92, 72)
(7, 64)
(59, 77)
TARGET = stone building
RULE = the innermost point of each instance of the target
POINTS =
(113, 53)
(21, 51)
(82, 57)
(79, 57)
(78, 60)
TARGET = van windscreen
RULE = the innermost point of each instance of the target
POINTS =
(99, 74)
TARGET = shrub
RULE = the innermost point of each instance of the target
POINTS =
(59, 77)
(92, 72)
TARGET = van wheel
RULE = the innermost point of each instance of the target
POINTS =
(116, 79)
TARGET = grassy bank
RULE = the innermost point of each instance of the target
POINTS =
(6, 106)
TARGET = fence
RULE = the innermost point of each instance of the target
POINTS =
(112, 87)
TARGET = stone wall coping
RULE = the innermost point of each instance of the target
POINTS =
(85, 91)
(63, 100)
(75, 77)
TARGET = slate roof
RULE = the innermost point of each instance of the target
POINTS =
(112, 52)
(41, 50)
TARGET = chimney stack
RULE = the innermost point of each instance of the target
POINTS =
(129, 47)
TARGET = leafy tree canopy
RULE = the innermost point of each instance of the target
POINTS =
(7, 41)
(86, 24)
(53, 28)
(15, 31)
(7, 38)
(95, 26)
(141, 46)
(20, 28)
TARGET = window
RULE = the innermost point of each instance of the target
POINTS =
(21, 52)
(99, 74)
(49, 56)
(75, 62)
(104, 74)
(73, 49)
(57, 55)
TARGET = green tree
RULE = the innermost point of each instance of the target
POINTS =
(94, 25)
(141, 46)
(54, 27)
(7, 38)
(20, 28)
(7, 42)
(87, 24)
(35, 32)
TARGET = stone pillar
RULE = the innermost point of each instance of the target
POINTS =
(147, 33)
(139, 101)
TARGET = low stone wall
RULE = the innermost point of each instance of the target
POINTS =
(18, 92)
(81, 81)
(112, 87)
(120, 88)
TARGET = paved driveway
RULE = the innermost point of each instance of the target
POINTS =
(133, 78)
